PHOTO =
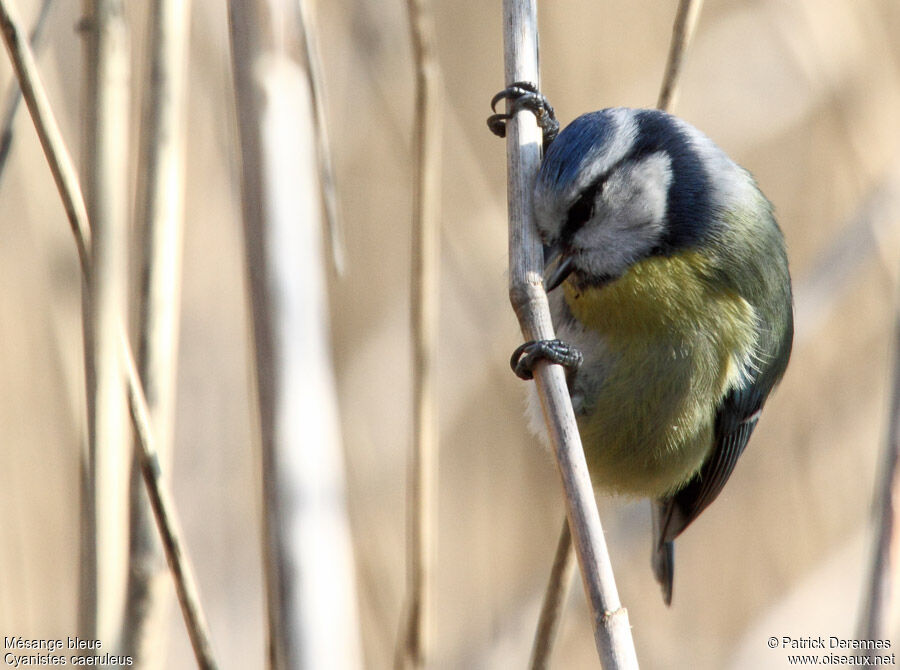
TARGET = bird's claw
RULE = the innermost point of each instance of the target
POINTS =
(524, 95)
(556, 351)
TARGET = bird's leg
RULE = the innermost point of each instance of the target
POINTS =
(555, 351)
(524, 95)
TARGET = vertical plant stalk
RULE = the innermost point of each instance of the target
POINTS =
(159, 218)
(554, 601)
(612, 633)
(414, 643)
(66, 178)
(323, 146)
(309, 565)
(14, 94)
(164, 509)
(554, 597)
(882, 607)
(105, 170)
(682, 33)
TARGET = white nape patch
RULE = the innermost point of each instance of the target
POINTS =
(728, 181)
(629, 216)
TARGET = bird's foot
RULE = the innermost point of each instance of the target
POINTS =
(524, 95)
(556, 351)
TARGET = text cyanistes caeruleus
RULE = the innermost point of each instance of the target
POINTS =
(668, 272)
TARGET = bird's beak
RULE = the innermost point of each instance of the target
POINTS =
(557, 267)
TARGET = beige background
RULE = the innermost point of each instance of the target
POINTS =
(805, 94)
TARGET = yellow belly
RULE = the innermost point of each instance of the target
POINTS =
(670, 344)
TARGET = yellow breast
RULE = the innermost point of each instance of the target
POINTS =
(672, 342)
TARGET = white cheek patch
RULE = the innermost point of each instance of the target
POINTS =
(552, 201)
(629, 216)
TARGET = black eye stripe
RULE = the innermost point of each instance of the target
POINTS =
(689, 215)
(582, 209)
(579, 213)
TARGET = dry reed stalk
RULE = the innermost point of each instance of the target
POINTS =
(323, 145)
(159, 220)
(414, 642)
(163, 506)
(66, 179)
(14, 94)
(881, 609)
(105, 184)
(612, 633)
(554, 601)
(682, 33)
(309, 565)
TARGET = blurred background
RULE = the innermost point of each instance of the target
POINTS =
(805, 94)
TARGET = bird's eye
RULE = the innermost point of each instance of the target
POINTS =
(579, 213)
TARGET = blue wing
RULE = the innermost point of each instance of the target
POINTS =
(737, 417)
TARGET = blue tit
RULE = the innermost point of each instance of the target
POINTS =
(667, 271)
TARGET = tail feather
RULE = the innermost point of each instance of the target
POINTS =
(662, 557)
